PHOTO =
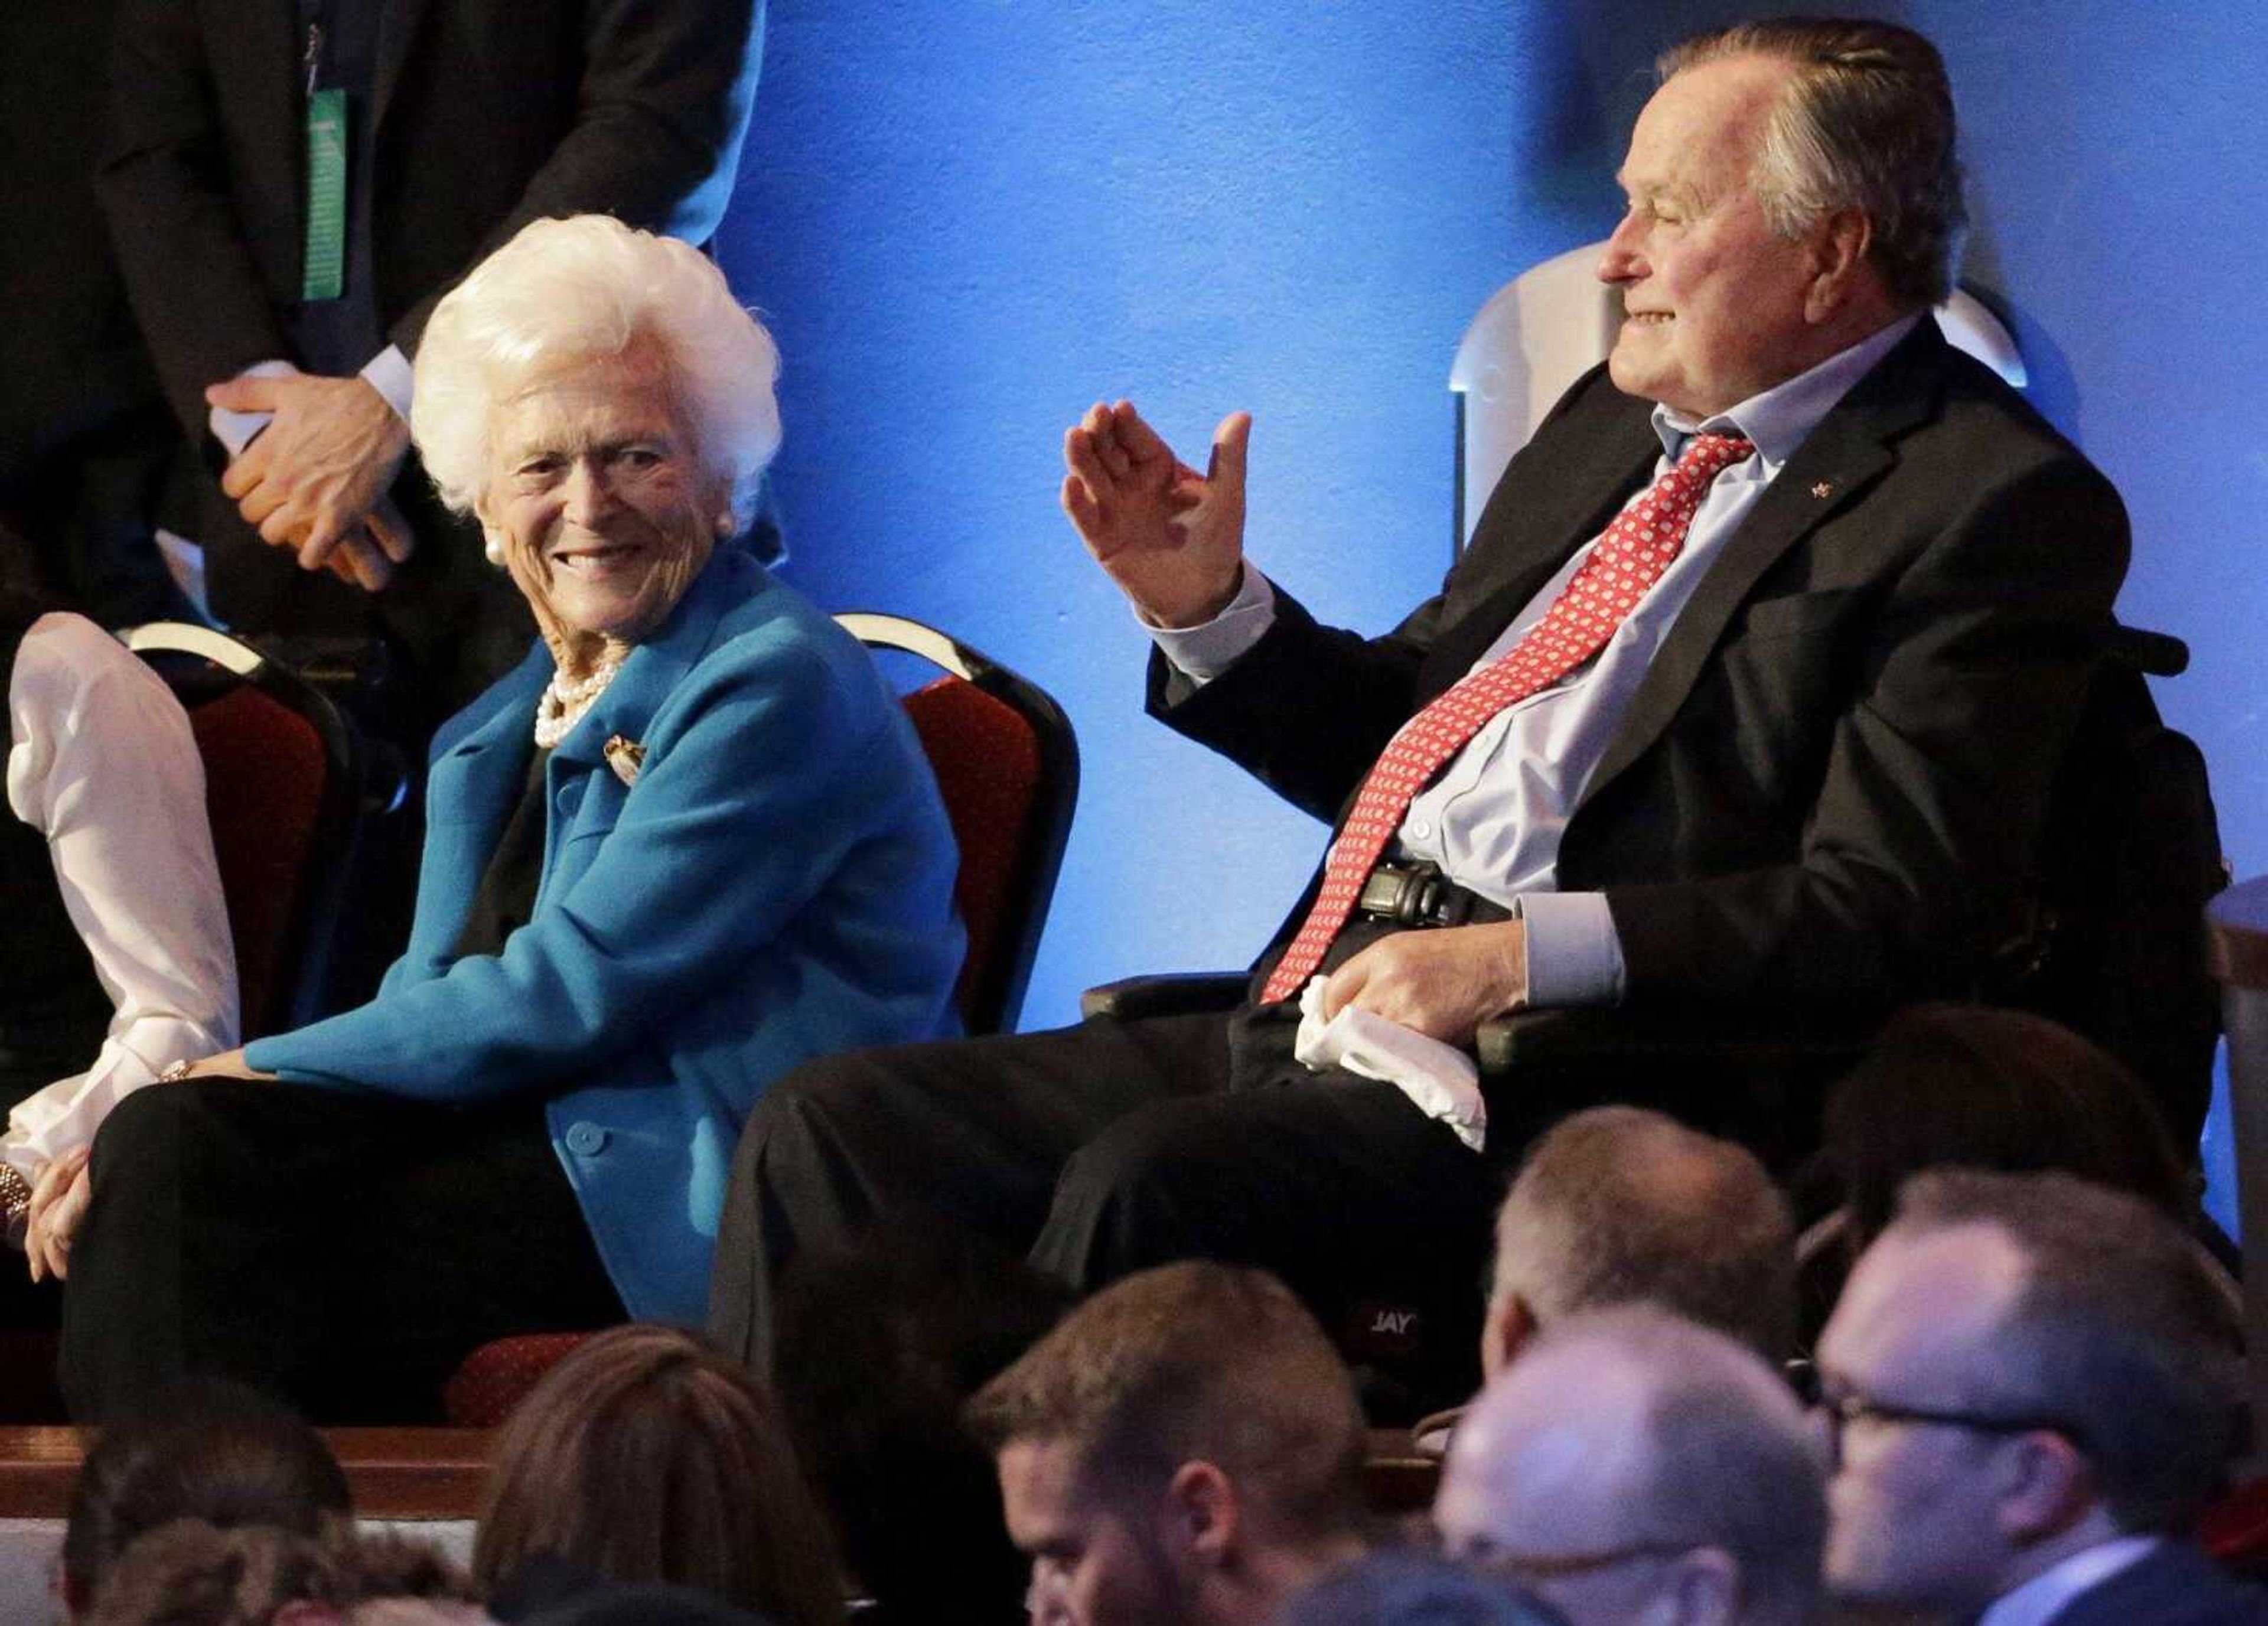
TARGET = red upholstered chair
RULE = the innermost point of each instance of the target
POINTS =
(282, 788)
(1007, 764)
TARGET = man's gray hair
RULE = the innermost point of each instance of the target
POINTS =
(1866, 122)
(1619, 1205)
(585, 290)
(2119, 1337)
(1730, 1459)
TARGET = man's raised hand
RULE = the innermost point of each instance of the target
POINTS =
(1171, 538)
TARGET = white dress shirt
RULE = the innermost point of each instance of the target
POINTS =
(1493, 818)
(102, 763)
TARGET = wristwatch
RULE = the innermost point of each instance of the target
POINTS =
(15, 1200)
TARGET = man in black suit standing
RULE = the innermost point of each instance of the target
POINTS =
(291, 186)
(1747, 696)
(2034, 1387)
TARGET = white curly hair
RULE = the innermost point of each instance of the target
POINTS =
(588, 287)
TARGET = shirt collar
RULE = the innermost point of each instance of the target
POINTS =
(2041, 1598)
(1776, 420)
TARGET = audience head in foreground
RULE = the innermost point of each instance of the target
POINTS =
(202, 1449)
(1631, 1466)
(882, 1340)
(1404, 1587)
(191, 1573)
(1619, 1205)
(645, 1456)
(1184, 1448)
(1973, 1087)
(2023, 1371)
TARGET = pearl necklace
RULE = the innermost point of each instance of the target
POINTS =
(565, 701)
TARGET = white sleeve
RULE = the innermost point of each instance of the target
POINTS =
(237, 430)
(101, 762)
(389, 374)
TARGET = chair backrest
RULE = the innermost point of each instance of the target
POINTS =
(1007, 765)
(1546, 328)
(2130, 857)
(281, 786)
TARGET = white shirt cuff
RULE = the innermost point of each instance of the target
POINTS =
(390, 374)
(236, 430)
(1573, 956)
(1202, 652)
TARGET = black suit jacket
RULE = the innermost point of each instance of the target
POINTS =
(2175, 1585)
(488, 113)
(1827, 792)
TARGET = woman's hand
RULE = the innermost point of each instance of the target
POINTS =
(227, 1064)
(59, 1200)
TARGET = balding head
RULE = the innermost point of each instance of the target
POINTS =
(1629, 1455)
(1618, 1205)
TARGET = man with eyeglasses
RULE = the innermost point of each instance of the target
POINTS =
(1632, 1466)
(2030, 1387)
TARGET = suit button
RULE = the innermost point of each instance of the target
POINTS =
(585, 1140)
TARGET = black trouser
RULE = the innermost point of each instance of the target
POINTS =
(1111, 1146)
(340, 1249)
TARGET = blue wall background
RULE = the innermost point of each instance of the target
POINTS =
(967, 219)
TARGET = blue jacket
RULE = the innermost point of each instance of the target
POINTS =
(776, 886)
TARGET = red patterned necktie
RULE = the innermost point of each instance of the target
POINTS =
(1630, 558)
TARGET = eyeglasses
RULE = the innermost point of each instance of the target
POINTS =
(1840, 1410)
(1529, 1568)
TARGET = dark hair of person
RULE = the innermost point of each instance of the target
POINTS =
(205, 1449)
(647, 1456)
(1866, 122)
(191, 1573)
(882, 1340)
(2119, 1337)
(1193, 1362)
(1975, 1087)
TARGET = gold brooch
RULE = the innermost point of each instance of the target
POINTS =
(1824, 489)
(625, 756)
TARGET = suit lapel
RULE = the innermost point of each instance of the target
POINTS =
(1540, 513)
(397, 29)
(1848, 452)
(256, 49)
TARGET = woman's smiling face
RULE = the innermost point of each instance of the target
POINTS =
(597, 499)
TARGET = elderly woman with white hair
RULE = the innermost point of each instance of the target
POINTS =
(689, 843)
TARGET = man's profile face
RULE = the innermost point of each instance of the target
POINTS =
(1912, 1504)
(1713, 299)
(1095, 1557)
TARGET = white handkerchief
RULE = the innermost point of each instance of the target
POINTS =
(1440, 1079)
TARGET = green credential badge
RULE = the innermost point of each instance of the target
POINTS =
(325, 278)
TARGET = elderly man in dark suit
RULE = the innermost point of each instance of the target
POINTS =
(1747, 696)
(292, 185)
